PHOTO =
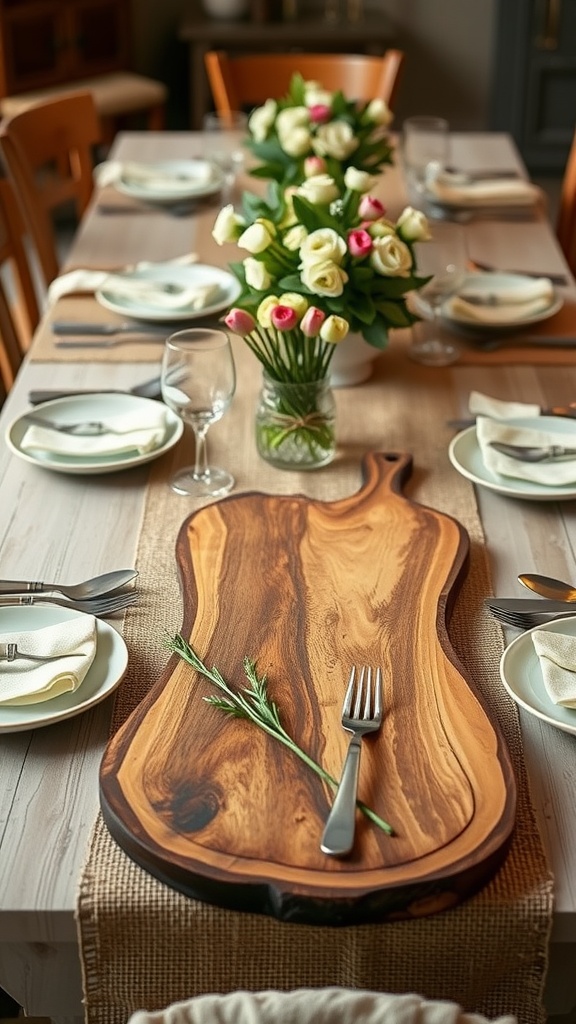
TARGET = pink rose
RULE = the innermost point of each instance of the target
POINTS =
(284, 318)
(239, 321)
(359, 242)
(320, 113)
(312, 321)
(314, 165)
(370, 208)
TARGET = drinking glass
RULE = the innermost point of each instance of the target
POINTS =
(226, 146)
(425, 148)
(434, 349)
(198, 383)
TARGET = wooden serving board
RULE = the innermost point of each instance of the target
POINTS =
(222, 812)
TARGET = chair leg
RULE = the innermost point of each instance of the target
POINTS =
(157, 118)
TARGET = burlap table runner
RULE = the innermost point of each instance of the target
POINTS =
(144, 945)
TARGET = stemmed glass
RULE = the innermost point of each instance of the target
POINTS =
(433, 349)
(225, 146)
(198, 383)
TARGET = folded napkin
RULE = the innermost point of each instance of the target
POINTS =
(162, 295)
(130, 432)
(313, 1006)
(482, 405)
(557, 655)
(157, 177)
(455, 190)
(551, 474)
(30, 682)
(498, 304)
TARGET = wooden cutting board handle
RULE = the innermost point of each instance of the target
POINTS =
(223, 812)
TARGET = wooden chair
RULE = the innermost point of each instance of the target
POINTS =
(19, 312)
(48, 155)
(238, 82)
(566, 223)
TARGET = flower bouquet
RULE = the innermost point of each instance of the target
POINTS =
(321, 262)
(313, 131)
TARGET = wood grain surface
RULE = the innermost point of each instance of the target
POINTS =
(223, 812)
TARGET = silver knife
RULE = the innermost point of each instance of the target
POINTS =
(68, 327)
(528, 604)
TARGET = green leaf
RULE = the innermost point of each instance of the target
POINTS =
(376, 334)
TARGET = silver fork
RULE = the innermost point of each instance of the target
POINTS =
(526, 620)
(9, 652)
(96, 606)
(90, 428)
(363, 718)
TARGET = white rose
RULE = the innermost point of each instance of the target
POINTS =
(227, 226)
(315, 95)
(256, 238)
(321, 188)
(294, 237)
(324, 278)
(257, 276)
(323, 244)
(391, 257)
(412, 225)
(358, 181)
(296, 142)
(335, 139)
(290, 118)
(262, 119)
(379, 112)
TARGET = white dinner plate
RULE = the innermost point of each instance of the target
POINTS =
(79, 408)
(188, 180)
(482, 284)
(521, 674)
(465, 455)
(171, 274)
(104, 675)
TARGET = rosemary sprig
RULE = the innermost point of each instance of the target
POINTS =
(254, 704)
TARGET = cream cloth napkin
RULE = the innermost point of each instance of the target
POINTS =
(87, 280)
(30, 682)
(550, 474)
(313, 1006)
(557, 656)
(501, 304)
(133, 431)
(179, 182)
(456, 190)
(480, 404)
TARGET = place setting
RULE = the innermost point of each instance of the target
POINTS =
(517, 451)
(57, 655)
(166, 186)
(96, 433)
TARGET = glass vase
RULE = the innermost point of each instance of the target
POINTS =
(296, 423)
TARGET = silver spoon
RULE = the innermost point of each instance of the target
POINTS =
(547, 586)
(98, 586)
(525, 453)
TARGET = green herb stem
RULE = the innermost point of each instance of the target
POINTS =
(254, 704)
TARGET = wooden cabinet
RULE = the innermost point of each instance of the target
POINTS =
(49, 42)
(534, 94)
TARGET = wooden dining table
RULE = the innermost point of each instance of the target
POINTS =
(62, 527)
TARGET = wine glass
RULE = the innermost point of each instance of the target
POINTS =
(434, 349)
(198, 382)
(225, 146)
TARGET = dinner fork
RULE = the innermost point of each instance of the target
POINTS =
(90, 428)
(363, 718)
(10, 652)
(526, 620)
(527, 453)
(96, 606)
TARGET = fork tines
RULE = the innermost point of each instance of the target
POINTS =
(369, 711)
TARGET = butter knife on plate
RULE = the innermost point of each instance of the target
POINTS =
(70, 327)
(529, 604)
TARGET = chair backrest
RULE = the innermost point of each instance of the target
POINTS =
(566, 223)
(19, 313)
(246, 81)
(48, 154)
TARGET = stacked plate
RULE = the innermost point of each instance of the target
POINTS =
(167, 292)
(492, 302)
(168, 181)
